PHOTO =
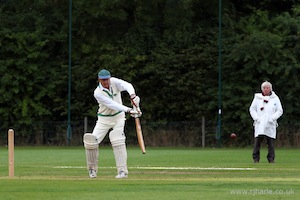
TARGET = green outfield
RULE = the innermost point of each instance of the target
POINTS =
(161, 174)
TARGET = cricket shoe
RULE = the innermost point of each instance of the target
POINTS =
(92, 173)
(121, 174)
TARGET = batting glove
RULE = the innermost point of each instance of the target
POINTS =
(135, 101)
(134, 112)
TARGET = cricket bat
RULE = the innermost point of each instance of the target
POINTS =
(139, 134)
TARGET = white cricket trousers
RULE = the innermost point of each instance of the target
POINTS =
(115, 129)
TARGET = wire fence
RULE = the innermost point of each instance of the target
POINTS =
(156, 134)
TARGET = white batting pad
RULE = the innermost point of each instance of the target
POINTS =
(92, 158)
(90, 141)
(121, 158)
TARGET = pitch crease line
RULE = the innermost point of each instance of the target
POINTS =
(166, 168)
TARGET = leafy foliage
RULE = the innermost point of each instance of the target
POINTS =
(167, 48)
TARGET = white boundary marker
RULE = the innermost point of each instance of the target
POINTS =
(167, 168)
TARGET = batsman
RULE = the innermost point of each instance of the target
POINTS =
(111, 121)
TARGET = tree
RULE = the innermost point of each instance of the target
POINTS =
(258, 48)
(32, 51)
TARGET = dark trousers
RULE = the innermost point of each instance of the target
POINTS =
(256, 149)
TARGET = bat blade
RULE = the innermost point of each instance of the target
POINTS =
(139, 134)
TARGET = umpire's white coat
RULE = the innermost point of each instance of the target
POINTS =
(265, 110)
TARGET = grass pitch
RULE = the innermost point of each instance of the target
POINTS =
(162, 173)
